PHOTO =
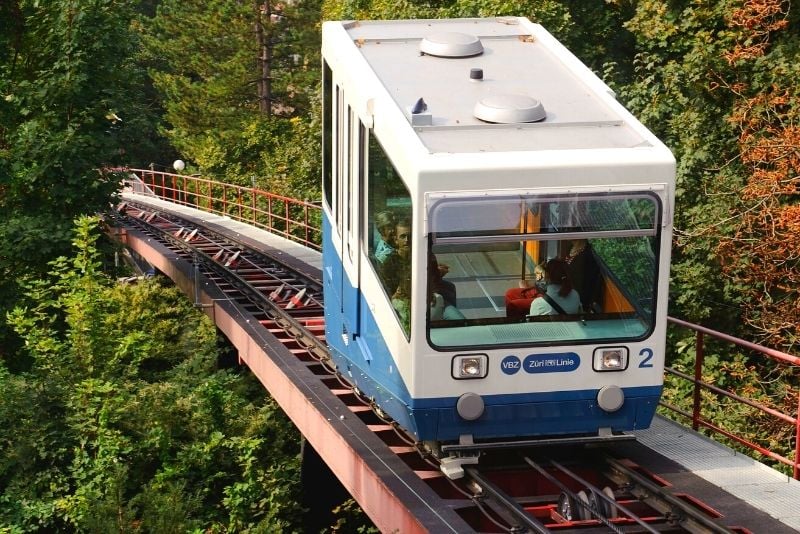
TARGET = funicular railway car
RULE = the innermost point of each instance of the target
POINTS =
(470, 167)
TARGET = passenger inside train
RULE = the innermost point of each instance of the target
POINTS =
(518, 299)
(401, 297)
(385, 242)
(559, 297)
(446, 288)
(441, 293)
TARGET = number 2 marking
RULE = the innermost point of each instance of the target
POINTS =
(648, 355)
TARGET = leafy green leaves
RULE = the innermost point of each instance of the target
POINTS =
(210, 62)
(124, 421)
(66, 67)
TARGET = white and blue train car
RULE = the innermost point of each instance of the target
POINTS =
(459, 157)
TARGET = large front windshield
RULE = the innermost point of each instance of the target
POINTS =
(541, 270)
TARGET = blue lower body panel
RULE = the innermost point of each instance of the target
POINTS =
(505, 416)
(574, 412)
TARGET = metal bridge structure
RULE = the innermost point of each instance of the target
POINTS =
(250, 260)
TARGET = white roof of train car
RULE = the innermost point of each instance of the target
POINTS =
(519, 58)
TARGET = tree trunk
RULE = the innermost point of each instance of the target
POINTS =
(263, 13)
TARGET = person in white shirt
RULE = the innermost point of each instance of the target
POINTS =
(561, 298)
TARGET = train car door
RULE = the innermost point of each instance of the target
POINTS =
(352, 172)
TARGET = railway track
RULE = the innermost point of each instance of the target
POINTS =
(588, 490)
(554, 489)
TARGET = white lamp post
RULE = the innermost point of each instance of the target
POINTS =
(178, 165)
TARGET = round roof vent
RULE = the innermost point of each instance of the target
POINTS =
(451, 44)
(509, 109)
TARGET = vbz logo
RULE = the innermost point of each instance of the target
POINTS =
(510, 365)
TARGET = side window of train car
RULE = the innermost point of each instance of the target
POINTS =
(388, 230)
(352, 184)
(342, 157)
(327, 134)
(357, 174)
(594, 255)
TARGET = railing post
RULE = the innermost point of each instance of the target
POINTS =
(699, 357)
(269, 212)
(305, 224)
(796, 467)
(288, 223)
(253, 194)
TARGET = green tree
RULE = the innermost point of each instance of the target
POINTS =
(124, 422)
(239, 87)
(553, 14)
(698, 70)
(202, 57)
(678, 58)
(717, 82)
(69, 108)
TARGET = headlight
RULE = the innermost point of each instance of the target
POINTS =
(610, 359)
(466, 366)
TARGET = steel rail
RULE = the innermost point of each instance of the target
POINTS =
(282, 317)
(508, 503)
(310, 281)
(662, 499)
(674, 514)
(585, 484)
(674, 507)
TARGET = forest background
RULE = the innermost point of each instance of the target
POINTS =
(118, 409)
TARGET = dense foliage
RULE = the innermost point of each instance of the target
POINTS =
(717, 82)
(68, 104)
(124, 421)
(115, 414)
(238, 82)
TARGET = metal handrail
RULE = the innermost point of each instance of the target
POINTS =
(696, 415)
(278, 214)
(297, 220)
